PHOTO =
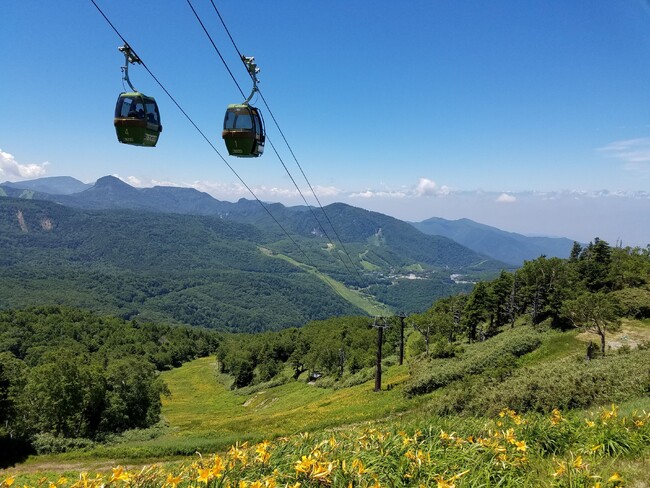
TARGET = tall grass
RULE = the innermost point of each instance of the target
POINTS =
(509, 450)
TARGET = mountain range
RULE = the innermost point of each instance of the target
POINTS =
(177, 254)
(111, 193)
(509, 247)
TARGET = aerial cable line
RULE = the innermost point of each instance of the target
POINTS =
(204, 136)
(255, 89)
(216, 48)
(242, 58)
(312, 190)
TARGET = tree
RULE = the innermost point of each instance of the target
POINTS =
(423, 324)
(476, 309)
(594, 312)
(56, 394)
(12, 372)
(133, 392)
(575, 251)
(594, 264)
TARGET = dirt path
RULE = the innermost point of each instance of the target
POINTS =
(631, 334)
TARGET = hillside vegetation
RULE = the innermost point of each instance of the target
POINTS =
(512, 383)
(160, 267)
(211, 271)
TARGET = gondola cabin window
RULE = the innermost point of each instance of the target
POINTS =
(130, 107)
(238, 119)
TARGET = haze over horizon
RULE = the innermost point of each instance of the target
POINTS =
(461, 205)
(530, 117)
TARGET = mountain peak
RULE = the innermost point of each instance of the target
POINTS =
(54, 185)
(111, 181)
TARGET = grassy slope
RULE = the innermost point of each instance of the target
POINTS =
(204, 415)
(203, 412)
(364, 302)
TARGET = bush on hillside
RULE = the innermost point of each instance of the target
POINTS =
(495, 353)
(569, 383)
(634, 302)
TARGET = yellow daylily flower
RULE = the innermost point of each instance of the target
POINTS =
(304, 465)
(358, 465)
(173, 480)
(556, 416)
(204, 475)
(322, 470)
(119, 474)
(615, 478)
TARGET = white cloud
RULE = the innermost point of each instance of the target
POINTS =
(423, 188)
(13, 170)
(326, 191)
(220, 190)
(635, 153)
(277, 192)
(506, 198)
(377, 194)
(426, 187)
(132, 180)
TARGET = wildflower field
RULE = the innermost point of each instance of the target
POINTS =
(603, 448)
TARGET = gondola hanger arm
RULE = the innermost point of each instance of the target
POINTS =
(251, 66)
(129, 57)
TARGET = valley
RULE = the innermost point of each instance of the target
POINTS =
(210, 348)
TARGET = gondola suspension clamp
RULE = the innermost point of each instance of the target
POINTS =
(129, 57)
(251, 66)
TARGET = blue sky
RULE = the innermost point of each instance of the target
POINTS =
(533, 116)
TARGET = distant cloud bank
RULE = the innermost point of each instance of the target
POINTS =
(576, 214)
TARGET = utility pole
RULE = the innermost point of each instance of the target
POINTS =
(380, 340)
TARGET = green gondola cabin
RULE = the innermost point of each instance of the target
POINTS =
(137, 120)
(243, 131)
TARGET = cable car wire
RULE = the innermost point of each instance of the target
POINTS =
(205, 137)
(310, 207)
(216, 48)
(241, 57)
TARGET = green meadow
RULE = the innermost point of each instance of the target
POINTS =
(203, 415)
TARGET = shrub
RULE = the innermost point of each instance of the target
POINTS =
(47, 443)
(634, 302)
(492, 354)
(569, 383)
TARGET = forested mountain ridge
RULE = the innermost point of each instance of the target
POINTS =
(175, 268)
(54, 185)
(508, 247)
(210, 271)
(377, 255)
(110, 192)
(351, 224)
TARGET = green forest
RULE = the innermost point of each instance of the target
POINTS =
(71, 378)
(70, 374)
(592, 290)
(218, 273)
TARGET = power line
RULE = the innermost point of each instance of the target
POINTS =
(204, 136)
(214, 45)
(216, 48)
(241, 57)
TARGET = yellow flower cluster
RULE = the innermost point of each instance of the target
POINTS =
(505, 447)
